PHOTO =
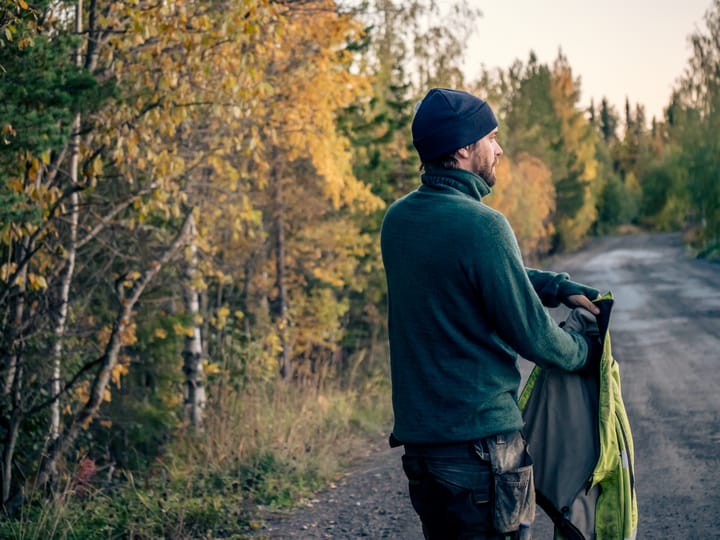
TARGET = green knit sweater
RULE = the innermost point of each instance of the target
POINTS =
(461, 307)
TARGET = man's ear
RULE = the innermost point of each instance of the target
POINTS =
(463, 153)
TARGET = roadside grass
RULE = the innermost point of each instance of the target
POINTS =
(268, 446)
(701, 246)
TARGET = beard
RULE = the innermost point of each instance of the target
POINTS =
(486, 169)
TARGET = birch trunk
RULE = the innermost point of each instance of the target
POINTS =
(109, 359)
(71, 251)
(192, 354)
(64, 299)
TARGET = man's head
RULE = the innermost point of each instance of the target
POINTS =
(451, 126)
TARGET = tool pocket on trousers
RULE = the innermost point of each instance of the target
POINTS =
(514, 501)
(450, 495)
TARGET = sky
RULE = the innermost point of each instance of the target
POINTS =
(619, 48)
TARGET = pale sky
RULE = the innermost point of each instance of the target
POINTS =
(619, 48)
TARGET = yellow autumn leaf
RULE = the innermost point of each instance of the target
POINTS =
(7, 269)
(173, 400)
(6, 234)
(103, 335)
(128, 335)
(160, 333)
(16, 184)
(96, 167)
(118, 371)
(37, 282)
(211, 368)
(220, 318)
(82, 392)
(180, 330)
(34, 168)
(198, 282)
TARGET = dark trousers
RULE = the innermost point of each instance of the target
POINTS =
(452, 490)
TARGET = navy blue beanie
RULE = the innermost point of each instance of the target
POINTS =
(447, 120)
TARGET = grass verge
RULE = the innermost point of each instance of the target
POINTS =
(270, 445)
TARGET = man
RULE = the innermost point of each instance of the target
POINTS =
(461, 307)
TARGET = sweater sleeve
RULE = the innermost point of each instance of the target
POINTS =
(554, 288)
(547, 285)
(511, 302)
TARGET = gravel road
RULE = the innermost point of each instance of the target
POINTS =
(666, 336)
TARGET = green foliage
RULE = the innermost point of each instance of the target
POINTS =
(16, 208)
(539, 115)
(608, 122)
(618, 205)
(526, 110)
(665, 204)
(41, 90)
(689, 188)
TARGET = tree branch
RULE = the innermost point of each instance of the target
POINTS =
(109, 359)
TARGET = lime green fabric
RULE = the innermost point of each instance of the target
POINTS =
(616, 511)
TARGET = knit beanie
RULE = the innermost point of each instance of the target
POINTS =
(446, 120)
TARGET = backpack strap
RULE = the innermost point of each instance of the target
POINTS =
(563, 525)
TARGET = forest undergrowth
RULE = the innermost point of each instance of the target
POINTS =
(271, 446)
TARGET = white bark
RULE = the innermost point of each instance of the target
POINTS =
(71, 251)
(109, 359)
(192, 354)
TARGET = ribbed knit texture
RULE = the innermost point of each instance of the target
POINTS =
(450, 119)
(461, 307)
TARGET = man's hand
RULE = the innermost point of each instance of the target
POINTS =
(578, 295)
(580, 300)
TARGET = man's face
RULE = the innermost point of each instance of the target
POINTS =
(485, 156)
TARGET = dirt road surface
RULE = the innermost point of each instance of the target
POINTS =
(666, 336)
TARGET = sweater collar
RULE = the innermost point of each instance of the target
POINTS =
(468, 183)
